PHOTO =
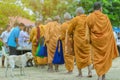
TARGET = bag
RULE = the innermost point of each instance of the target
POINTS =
(37, 36)
(58, 56)
(41, 49)
(69, 49)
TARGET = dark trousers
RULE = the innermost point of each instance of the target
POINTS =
(118, 49)
(12, 50)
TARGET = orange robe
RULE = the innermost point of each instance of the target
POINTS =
(81, 46)
(51, 38)
(33, 39)
(102, 41)
(69, 59)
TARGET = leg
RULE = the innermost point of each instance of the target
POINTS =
(56, 67)
(12, 70)
(3, 59)
(21, 71)
(42, 66)
(70, 72)
(90, 71)
(50, 67)
(12, 66)
(99, 77)
(103, 77)
(6, 69)
(80, 73)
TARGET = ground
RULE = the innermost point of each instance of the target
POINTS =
(36, 73)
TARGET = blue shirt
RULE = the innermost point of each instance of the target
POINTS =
(13, 36)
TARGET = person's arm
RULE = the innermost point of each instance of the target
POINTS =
(72, 26)
(16, 33)
(2, 36)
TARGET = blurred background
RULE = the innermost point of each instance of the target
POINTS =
(28, 11)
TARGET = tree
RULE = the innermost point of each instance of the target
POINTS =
(8, 9)
(51, 8)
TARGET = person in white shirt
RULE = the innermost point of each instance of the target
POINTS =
(4, 37)
(26, 37)
(21, 38)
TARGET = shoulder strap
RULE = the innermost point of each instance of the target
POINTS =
(38, 33)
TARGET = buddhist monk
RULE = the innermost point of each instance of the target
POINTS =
(53, 31)
(69, 59)
(78, 28)
(102, 40)
(35, 34)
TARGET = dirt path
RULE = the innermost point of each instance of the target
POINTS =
(33, 73)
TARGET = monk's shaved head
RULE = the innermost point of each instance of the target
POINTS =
(67, 16)
(97, 6)
(57, 18)
(80, 10)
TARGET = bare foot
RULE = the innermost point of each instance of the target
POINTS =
(79, 76)
(69, 72)
(90, 74)
(100, 78)
(56, 70)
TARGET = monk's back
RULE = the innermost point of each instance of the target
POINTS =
(100, 25)
(80, 26)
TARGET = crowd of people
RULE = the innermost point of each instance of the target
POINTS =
(86, 40)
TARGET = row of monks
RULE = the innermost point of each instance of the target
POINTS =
(93, 38)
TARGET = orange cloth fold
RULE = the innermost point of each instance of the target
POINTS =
(33, 39)
(78, 28)
(51, 38)
(69, 59)
(102, 41)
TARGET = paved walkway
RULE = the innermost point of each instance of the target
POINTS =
(33, 73)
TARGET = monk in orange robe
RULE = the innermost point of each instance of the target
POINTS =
(51, 38)
(102, 41)
(69, 59)
(33, 39)
(78, 28)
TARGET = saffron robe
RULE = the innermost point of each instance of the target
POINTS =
(51, 38)
(102, 41)
(78, 28)
(69, 59)
(33, 39)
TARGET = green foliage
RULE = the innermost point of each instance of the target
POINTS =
(51, 8)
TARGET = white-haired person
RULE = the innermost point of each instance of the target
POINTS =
(78, 28)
